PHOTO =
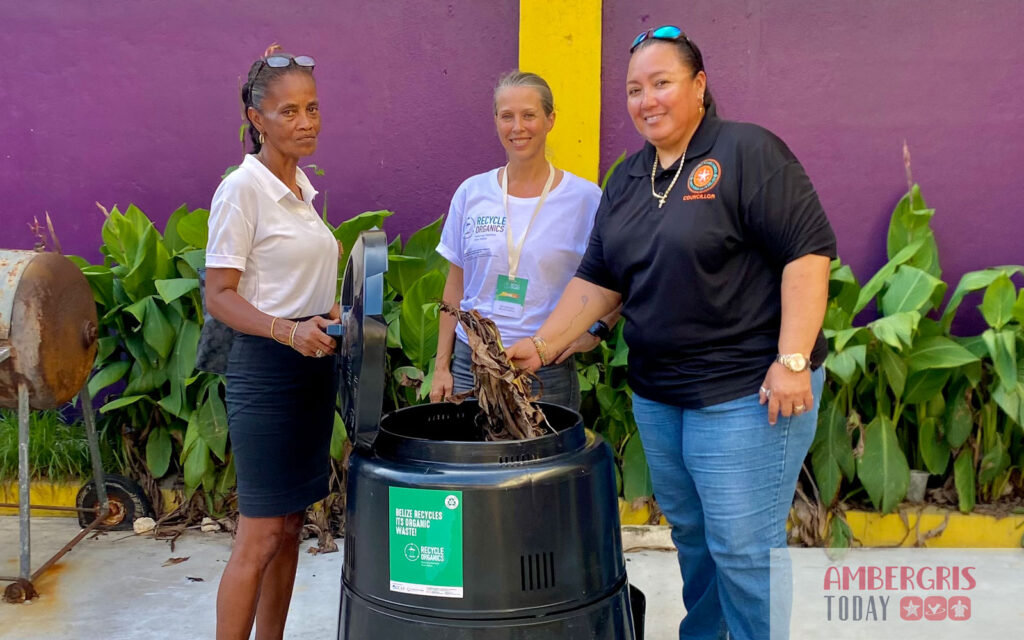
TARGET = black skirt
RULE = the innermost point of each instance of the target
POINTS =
(280, 417)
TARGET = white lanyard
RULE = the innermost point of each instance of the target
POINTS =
(514, 252)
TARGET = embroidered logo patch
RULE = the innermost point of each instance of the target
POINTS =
(704, 176)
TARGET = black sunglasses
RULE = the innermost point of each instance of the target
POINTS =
(280, 62)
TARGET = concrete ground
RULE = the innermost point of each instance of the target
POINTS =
(115, 587)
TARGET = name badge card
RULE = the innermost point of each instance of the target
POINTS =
(510, 297)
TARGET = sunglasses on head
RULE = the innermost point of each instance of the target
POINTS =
(279, 62)
(666, 32)
(673, 34)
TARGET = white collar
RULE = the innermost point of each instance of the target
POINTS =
(272, 185)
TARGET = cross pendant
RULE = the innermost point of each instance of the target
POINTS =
(661, 202)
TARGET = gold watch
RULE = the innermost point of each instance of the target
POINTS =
(795, 362)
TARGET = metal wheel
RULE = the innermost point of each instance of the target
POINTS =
(127, 502)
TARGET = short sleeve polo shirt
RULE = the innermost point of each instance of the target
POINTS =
(287, 255)
(700, 277)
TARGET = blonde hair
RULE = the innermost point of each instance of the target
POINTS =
(517, 78)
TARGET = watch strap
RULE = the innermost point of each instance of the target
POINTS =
(787, 360)
(600, 330)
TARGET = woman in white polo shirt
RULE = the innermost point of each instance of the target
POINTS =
(514, 237)
(272, 265)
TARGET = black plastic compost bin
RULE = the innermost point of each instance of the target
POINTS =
(451, 537)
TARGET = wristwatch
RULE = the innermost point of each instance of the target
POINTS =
(600, 330)
(795, 362)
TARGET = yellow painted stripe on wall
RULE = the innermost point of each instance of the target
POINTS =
(561, 41)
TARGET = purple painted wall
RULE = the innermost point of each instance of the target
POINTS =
(844, 83)
(132, 102)
(135, 102)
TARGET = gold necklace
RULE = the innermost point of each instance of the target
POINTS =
(661, 197)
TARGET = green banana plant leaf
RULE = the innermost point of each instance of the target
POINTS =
(843, 288)
(935, 451)
(158, 451)
(922, 386)
(844, 364)
(965, 480)
(636, 478)
(1002, 348)
(879, 280)
(418, 321)
(882, 468)
(194, 228)
(974, 281)
(894, 368)
(909, 223)
(938, 352)
(997, 305)
(418, 258)
(173, 288)
(832, 453)
(348, 231)
(912, 289)
(896, 330)
(958, 419)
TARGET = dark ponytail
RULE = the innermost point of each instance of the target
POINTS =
(247, 102)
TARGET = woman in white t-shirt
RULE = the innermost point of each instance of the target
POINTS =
(271, 273)
(514, 237)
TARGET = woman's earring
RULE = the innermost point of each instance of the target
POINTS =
(263, 140)
(700, 101)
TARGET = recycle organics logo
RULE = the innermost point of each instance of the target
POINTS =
(469, 228)
(412, 552)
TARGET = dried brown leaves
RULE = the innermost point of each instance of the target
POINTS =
(504, 393)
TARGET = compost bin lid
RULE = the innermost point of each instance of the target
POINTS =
(363, 345)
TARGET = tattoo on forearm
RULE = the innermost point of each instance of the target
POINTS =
(584, 299)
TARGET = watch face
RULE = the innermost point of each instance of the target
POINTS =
(797, 362)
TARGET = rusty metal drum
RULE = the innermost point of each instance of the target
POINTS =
(48, 328)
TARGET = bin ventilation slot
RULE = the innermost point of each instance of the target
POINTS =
(521, 458)
(445, 416)
(537, 571)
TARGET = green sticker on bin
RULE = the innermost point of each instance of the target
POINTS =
(425, 541)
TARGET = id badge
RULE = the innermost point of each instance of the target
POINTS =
(510, 297)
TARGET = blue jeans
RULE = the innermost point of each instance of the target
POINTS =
(558, 382)
(725, 479)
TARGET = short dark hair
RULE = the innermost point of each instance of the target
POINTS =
(689, 54)
(261, 76)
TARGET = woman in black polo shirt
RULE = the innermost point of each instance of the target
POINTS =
(714, 241)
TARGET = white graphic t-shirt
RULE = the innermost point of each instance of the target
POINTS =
(474, 239)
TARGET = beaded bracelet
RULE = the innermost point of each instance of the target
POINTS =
(542, 349)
